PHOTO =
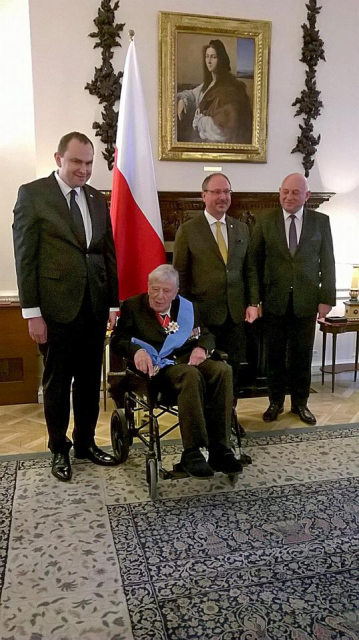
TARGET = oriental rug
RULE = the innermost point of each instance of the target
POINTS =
(273, 558)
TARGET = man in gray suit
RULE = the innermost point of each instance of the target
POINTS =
(211, 256)
(67, 278)
(293, 249)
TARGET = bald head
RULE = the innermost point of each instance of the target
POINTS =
(294, 192)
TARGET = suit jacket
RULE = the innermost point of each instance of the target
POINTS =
(52, 266)
(309, 274)
(217, 288)
(138, 320)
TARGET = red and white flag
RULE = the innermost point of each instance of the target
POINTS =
(135, 212)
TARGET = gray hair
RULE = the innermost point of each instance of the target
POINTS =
(164, 272)
(207, 180)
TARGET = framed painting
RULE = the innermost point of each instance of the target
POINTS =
(213, 102)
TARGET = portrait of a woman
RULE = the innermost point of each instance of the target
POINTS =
(218, 110)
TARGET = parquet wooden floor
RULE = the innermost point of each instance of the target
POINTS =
(23, 428)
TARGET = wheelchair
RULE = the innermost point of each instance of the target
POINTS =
(134, 392)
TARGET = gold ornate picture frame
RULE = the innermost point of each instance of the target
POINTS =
(213, 98)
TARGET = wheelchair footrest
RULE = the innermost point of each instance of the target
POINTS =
(177, 473)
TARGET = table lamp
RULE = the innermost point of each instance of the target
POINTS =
(352, 305)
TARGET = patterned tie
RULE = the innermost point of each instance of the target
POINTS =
(293, 242)
(77, 218)
(221, 243)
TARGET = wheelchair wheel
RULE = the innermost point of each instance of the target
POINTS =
(119, 435)
(151, 470)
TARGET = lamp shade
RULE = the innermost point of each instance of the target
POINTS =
(355, 277)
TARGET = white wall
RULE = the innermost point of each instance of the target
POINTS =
(63, 61)
(17, 133)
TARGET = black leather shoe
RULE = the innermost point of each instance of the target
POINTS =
(273, 411)
(61, 467)
(195, 464)
(96, 455)
(225, 462)
(304, 414)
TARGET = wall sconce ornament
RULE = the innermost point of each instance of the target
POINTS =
(352, 305)
(309, 103)
(106, 83)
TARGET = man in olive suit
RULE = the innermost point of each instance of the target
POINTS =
(67, 279)
(293, 249)
(211, 256)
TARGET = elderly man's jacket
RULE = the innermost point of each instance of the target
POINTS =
(138, 320)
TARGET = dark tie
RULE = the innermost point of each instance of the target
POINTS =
(293, 242)
(77, 218)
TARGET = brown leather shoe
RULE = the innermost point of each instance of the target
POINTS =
(304, 414)
(273, 411)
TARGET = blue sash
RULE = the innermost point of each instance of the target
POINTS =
(185, 320)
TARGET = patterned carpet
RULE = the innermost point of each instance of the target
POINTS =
(273, 558)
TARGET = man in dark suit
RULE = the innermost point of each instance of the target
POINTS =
(160, 334)
(293, 249)
(67, 279)
(211, 256)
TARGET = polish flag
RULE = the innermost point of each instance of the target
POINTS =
(135, 212)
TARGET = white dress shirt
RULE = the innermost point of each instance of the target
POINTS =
(298, 220)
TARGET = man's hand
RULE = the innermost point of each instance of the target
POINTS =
(143, 362)
(323, 310)
(198, 355)
(38, 330)
(251, 314)
(111, 320)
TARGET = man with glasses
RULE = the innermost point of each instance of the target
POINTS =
(210, 254)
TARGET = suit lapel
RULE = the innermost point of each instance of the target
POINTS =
(95, 219)
(280, 230)
(232, 238)
(307, 230)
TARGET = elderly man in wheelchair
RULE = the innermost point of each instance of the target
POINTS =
(161, 335)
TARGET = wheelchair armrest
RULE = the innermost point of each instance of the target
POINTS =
(217, 354)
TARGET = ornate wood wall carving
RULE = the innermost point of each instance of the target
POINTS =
(178, 206)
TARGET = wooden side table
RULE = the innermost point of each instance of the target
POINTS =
(334, 329)
(18, 358)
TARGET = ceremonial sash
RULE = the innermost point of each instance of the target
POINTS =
(185, 320)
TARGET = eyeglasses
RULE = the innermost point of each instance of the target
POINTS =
(217, 192)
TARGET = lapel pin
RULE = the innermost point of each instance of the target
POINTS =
(91, 196)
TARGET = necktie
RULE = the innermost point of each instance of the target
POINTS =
(221, 243)
(293, 242)
(77, 218)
